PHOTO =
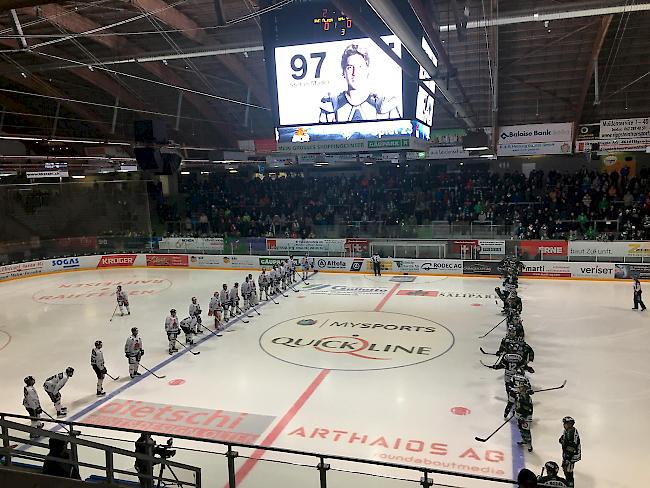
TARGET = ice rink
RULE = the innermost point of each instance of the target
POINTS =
(350, 365)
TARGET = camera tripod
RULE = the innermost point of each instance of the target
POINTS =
(160, 483)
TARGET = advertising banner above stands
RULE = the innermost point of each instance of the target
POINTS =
(588, 132)
(46, 174)
(311, 246)
(637, 144)
(534, 148)
(625, 128)
(534, 139)
(614, 249)
(522, 134)
(192, 243)
(447, 152)
(390, 143)
(550, 249)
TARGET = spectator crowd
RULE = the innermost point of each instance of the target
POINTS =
(586, 204)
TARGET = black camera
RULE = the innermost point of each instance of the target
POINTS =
(164, 451)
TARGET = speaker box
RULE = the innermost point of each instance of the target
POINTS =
(149, 159)
(150, 132)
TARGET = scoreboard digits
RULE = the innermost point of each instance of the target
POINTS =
(331, 21)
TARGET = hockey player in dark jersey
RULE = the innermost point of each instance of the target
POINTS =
(524, 415)
(552, 478)
(512, 389)
(571, 449)
(513, 321)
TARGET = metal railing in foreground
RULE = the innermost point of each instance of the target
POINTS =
(112, 457)
(14, 433)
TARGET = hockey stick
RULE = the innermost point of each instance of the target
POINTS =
(214, 333)
(154, 374)
(481, 439)
(485, 335)
(113, 378)
(255, 310)
(488, 365)
(242, 314)
(113, 315)
(183, 345)
(551, 389)
(488, 353)
(69, 428)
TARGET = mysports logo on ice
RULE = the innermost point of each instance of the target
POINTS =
(356, 341)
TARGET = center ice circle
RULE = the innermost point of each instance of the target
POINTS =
(356, 341)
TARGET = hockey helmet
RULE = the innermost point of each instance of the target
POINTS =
(69, 370)
(98, 344)
(551, 467)
(568, 420)
(134, 330)
(193, 299)
(119, 287)
(236, 284)
(225, 287)
(29, 380)
(173, 310)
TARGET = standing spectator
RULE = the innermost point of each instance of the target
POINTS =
(59, 467)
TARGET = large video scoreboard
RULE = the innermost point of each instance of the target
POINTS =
(324, 71)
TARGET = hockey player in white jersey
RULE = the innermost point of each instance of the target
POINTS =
(304, 264)
(246, 293)
(224, 297)
(189, 325)
(122, 300)
(53, 387)
(264, 282)
(97, 363)
(292, 270)
(274, 275)
(134, 350)
(214, 309)
(32, 404)
(195, 311)
(285, 273)
(253, 298)
(172, 328)
(233, 299)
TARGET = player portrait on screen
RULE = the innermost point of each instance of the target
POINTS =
(357, 102)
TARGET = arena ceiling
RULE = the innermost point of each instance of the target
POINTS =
(66, 65)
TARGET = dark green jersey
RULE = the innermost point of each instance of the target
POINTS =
(524, 405)
(570, 440)
(552, 481)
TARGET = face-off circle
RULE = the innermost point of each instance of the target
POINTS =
(99, 290)
(356, 341)
(5, 339)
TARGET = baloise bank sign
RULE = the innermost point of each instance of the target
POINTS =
(356, 341)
